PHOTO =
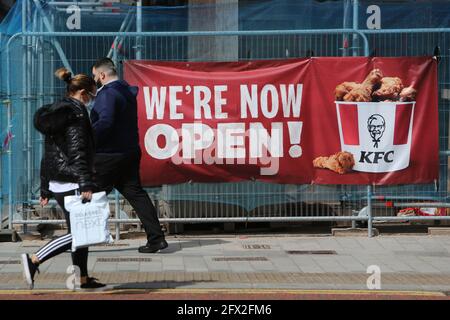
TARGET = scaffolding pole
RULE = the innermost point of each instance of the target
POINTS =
(116, 43)
(55, 42)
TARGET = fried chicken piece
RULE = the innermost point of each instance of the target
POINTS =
(408, 94)
(363, 91)
(373, 79)
(340, 162)
(359, 94)
(390, 89)
(343, 89)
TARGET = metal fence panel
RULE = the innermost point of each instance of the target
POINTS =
(34, 57)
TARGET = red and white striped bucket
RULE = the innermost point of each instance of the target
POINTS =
(378, 134)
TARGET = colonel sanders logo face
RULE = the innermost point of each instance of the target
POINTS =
(376, 126)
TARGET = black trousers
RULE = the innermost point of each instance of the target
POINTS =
(121, 171)
(64, 243)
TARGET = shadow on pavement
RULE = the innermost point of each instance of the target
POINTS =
(173, 246)
(156, 285)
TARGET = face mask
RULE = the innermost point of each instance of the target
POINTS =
(90, 104)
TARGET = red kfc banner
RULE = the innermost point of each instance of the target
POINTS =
(352, 120)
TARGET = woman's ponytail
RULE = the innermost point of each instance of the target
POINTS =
(64, 75)
(77, 82)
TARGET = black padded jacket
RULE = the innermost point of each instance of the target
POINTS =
(69, 144)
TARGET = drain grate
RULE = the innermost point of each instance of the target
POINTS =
(114, 259)
(256, 246)
(240, 259)
(311, 252)
(10, 262)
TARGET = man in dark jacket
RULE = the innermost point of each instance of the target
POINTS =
(118, 155)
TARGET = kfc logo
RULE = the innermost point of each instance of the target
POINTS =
(376, 126)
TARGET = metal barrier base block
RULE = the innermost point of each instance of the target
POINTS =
(439, 231)
(352, 232)
(9, 236)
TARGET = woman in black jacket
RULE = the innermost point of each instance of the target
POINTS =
(66, 167)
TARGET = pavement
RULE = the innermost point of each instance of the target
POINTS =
(273, 265)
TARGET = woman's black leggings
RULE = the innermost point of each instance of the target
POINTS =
(64, 243)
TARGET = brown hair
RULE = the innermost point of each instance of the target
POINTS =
(78, 82)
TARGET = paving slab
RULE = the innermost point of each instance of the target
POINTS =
(406, 263)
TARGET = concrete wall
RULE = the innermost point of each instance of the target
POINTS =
(213, 15)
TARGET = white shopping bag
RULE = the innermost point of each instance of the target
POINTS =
(88, 221)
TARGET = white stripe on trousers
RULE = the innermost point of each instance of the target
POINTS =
(52, 243)
(52, 246)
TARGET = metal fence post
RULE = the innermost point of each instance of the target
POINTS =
(355, 41)
(117, 213)
(9, 126)
(138, 29)
(10, 193)
(41, 87)
(369, 210)
(345, 17)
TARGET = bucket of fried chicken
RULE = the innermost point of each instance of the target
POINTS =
(375, 121)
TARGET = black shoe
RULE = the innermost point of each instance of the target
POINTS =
(152, 247)
(92, 283)
(29, 270)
